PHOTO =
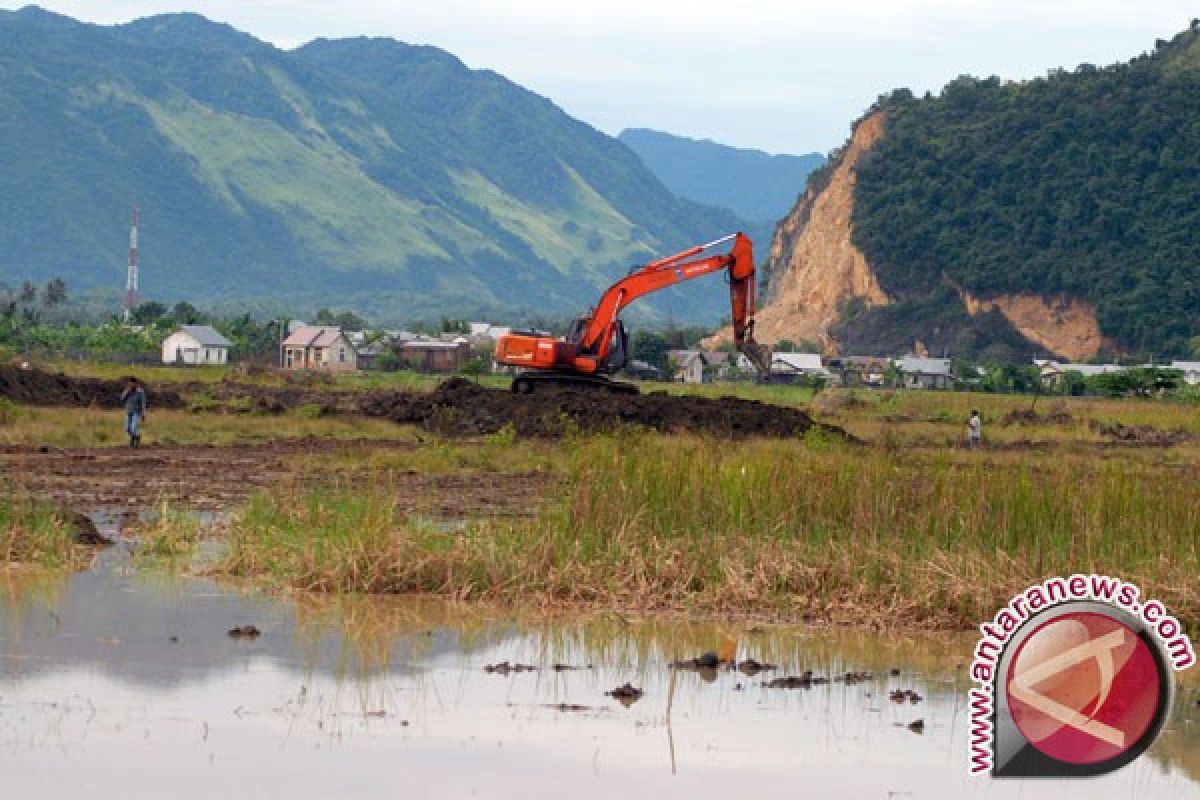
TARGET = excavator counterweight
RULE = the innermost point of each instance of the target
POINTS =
(597, 344)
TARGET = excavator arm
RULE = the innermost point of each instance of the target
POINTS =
(597, 337)
(586, 351)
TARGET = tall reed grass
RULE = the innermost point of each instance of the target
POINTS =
(791, 530)
(33, 533)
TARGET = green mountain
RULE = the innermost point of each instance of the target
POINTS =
(1083, 185)
(363, 172)
(753, 184)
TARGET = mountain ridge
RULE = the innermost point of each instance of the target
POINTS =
(754, 184)
(304, 176)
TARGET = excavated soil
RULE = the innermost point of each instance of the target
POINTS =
(456, 407)
(36, 387)
(461, 407)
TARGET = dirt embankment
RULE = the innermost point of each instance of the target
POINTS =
(36, 387)
(461, 407)
(817, 268)
(457, 407)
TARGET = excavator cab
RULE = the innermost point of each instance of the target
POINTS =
(618, 348)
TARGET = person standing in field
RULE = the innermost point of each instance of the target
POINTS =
(974, 430)
(134, 398)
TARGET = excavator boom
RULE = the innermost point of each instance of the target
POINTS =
(590, 347)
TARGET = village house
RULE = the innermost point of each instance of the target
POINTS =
(196, 344)
(790, 366)
(702, 366)
(434, 355)
(1052, 372)
(319, 347)
(1190, 370)
(925, 373)
(642, 371)
(858, 371)
(688, 366)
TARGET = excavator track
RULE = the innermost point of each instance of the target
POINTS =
(531, 382)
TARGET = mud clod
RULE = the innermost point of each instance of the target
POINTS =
(917, 726)
(905, 696)
(805, 680)
(244, 632)
(709, 660)
(852, 678)
(752, 667)
(86, 532)
(626, 693)
(505, 668)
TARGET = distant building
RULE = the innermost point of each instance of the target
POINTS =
(1190, 370)
(1052, 372)
(702, 366)
(319, 347)
(856, 371)
(434, 355)
(485, 331)
(792, 365)
(196, 344)
(643, 371)
(925, 373)
(688, 366)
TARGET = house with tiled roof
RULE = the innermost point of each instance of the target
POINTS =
(319, 347)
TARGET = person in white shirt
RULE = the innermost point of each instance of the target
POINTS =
(974, 431)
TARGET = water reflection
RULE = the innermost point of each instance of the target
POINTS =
(126, 685)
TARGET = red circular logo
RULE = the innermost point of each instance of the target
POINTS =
(1083, 688)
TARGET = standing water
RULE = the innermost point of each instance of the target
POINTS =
(116, 684)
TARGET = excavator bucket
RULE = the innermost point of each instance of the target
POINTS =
(759, 355)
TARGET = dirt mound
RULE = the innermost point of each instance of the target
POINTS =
(1140, 435)
(1027, 417)
(38, 387)
(459, 406)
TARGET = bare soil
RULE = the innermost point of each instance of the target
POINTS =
(461, 407)
(212, 478)
(37, 387)
(456, 407)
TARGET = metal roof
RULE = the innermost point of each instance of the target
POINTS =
(205, 335)
(924, 366)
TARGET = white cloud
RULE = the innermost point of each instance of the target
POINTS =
(784, 76)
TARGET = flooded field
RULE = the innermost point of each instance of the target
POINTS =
(116, 683)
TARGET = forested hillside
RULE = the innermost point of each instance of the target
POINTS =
(363, 173)
(1084, 184)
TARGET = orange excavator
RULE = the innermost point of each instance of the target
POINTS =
(597, 345)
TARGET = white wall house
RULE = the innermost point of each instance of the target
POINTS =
(1190, 370)
(798, 364)
(195, 344)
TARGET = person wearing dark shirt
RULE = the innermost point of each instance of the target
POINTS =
(134, 398)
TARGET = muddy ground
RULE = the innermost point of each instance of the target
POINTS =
(210, 478)
(456, 407)
(461, 407)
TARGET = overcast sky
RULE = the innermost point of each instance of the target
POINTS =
(780, 75)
